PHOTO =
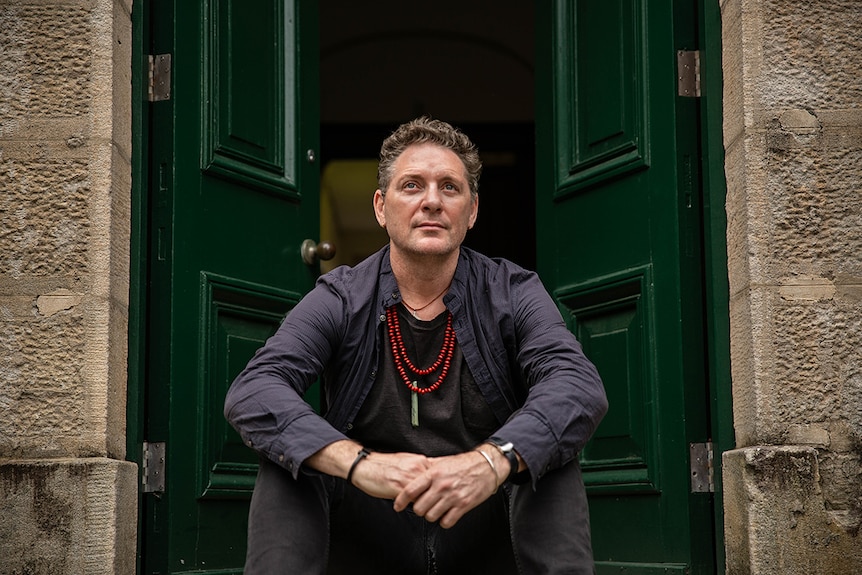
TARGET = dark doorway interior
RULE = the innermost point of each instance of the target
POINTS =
(471, 64)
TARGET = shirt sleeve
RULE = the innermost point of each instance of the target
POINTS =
(265, 402)
(566, 399)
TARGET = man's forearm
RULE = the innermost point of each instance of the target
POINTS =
(336, 458)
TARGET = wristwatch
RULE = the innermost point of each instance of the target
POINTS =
(508, 451)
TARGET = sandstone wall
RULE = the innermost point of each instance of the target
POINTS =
(793, 139)
(65, 181)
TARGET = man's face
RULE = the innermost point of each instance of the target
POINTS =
(428, 208)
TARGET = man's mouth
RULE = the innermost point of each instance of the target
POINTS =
(432, 225)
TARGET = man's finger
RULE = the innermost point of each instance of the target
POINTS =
(411, 492)
(451, 518)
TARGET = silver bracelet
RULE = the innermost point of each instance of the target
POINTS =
(493, 467)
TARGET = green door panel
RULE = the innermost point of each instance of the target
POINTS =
(237, 318)
(235, 193)
(611, 317)
(600, 113)
(619, 246)
(249, 101)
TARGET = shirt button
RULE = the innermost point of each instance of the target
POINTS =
(349, 426)
(373, 374)
(280, 458)
(382, 317)
(249, 443)
(395, 295)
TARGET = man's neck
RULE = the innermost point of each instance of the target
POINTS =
(420, 278)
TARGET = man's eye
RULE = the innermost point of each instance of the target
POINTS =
(410, 186)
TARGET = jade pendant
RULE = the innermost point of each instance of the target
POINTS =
(414, 408)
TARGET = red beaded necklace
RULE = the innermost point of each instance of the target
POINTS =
(399, 353)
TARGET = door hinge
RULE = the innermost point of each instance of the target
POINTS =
(701, 467)
(688, 73)
(159, 86)
(153, 474)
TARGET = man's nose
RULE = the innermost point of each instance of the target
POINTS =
(432, 199)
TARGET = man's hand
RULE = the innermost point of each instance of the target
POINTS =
(450, 487)
(441, 489)
(385, 475)
(381, 475)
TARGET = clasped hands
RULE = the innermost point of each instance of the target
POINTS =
(441, 489)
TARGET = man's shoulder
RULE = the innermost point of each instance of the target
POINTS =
(493, 268)
(366, 272)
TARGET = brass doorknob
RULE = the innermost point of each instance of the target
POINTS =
(313, 252)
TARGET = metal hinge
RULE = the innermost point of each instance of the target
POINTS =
(159, 87)
(688, 73)
(701, 467)
(153, 474)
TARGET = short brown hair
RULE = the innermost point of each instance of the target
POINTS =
(427, 130)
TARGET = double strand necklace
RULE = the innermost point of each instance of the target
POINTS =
(403, 363)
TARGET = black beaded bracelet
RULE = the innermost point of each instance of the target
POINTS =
(362, 454)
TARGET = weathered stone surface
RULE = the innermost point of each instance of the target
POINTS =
(804, 382)
(44, 216)
(65, 176)
(65, 212)
(776, 519)
(45, 62)
(66, 517)
(812, 54)
(43, 399)
(793, 137)
(816, 215)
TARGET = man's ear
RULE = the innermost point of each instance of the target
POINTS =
(378, 202)
(474, 214)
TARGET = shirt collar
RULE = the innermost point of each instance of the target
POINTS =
(391, 295)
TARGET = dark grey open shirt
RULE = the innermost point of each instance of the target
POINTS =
(545, 393)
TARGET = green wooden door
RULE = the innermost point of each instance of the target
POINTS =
(619, 244)
(235, 191)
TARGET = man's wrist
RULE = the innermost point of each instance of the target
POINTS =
(360, 455)
(507, 450)
(490, 461)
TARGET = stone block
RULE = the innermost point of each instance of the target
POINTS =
(776, 520)
(796, 352)
(44, 212)
(68, 517)
(45, 69)
(812, 54)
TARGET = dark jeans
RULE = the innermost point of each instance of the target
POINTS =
(322, 525)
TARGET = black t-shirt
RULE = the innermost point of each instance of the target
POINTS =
(452, 419)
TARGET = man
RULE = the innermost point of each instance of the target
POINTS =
(455, 400)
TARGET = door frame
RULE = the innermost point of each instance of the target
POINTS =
(140, 209)
(716, 283)
(714, 256)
